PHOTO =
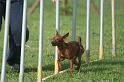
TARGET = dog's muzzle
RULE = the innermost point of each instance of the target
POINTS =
(53, 43)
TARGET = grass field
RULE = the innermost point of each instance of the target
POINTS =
(108, 70)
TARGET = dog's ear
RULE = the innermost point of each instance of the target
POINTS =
(66, 35)
(57, 33)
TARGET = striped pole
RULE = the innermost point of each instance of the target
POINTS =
(5, 47)
(113, 30)
(57, 29)
(39, 79)
(101, 47)
(24, 25)
(74, 20)
(88, 32)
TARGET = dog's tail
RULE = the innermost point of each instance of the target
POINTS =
(79, 40)
(80, 44)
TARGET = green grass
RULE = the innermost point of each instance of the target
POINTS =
(108, 70)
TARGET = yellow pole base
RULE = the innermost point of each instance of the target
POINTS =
(39, 79)
(100, 53)
(56, 67)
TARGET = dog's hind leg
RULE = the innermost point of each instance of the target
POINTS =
(75, 61)
(79, 63)
(71, 67)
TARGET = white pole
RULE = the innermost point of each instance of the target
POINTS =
(113, 30)
(5, 47)
(101, 47)
(40, 41)
(24, 25)
(88, 33)
(57, 29)
(74, 20)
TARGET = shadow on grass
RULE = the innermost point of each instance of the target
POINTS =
(92, 67)
(108, 62)
(100, 66)
(30, 70)
(49, 67)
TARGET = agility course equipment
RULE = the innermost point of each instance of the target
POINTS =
(40, 41)
(24, 25)
(41, 26)
(88, 32)
(113, 30)
(74, 2)
(101, 47)
(94, 8)
(6, 32)
(57, 29)
(33, 7)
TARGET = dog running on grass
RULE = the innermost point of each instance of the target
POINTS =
(72, 51)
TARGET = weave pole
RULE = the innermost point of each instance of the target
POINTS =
(24, 25)
(113, 30)
(88, 32)
(5, 47)
(101, 47)
(74, 2)
(39, 76)
(57, 29)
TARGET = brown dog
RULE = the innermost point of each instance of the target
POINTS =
(72, 51)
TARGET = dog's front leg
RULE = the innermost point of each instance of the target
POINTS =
(71, 67)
